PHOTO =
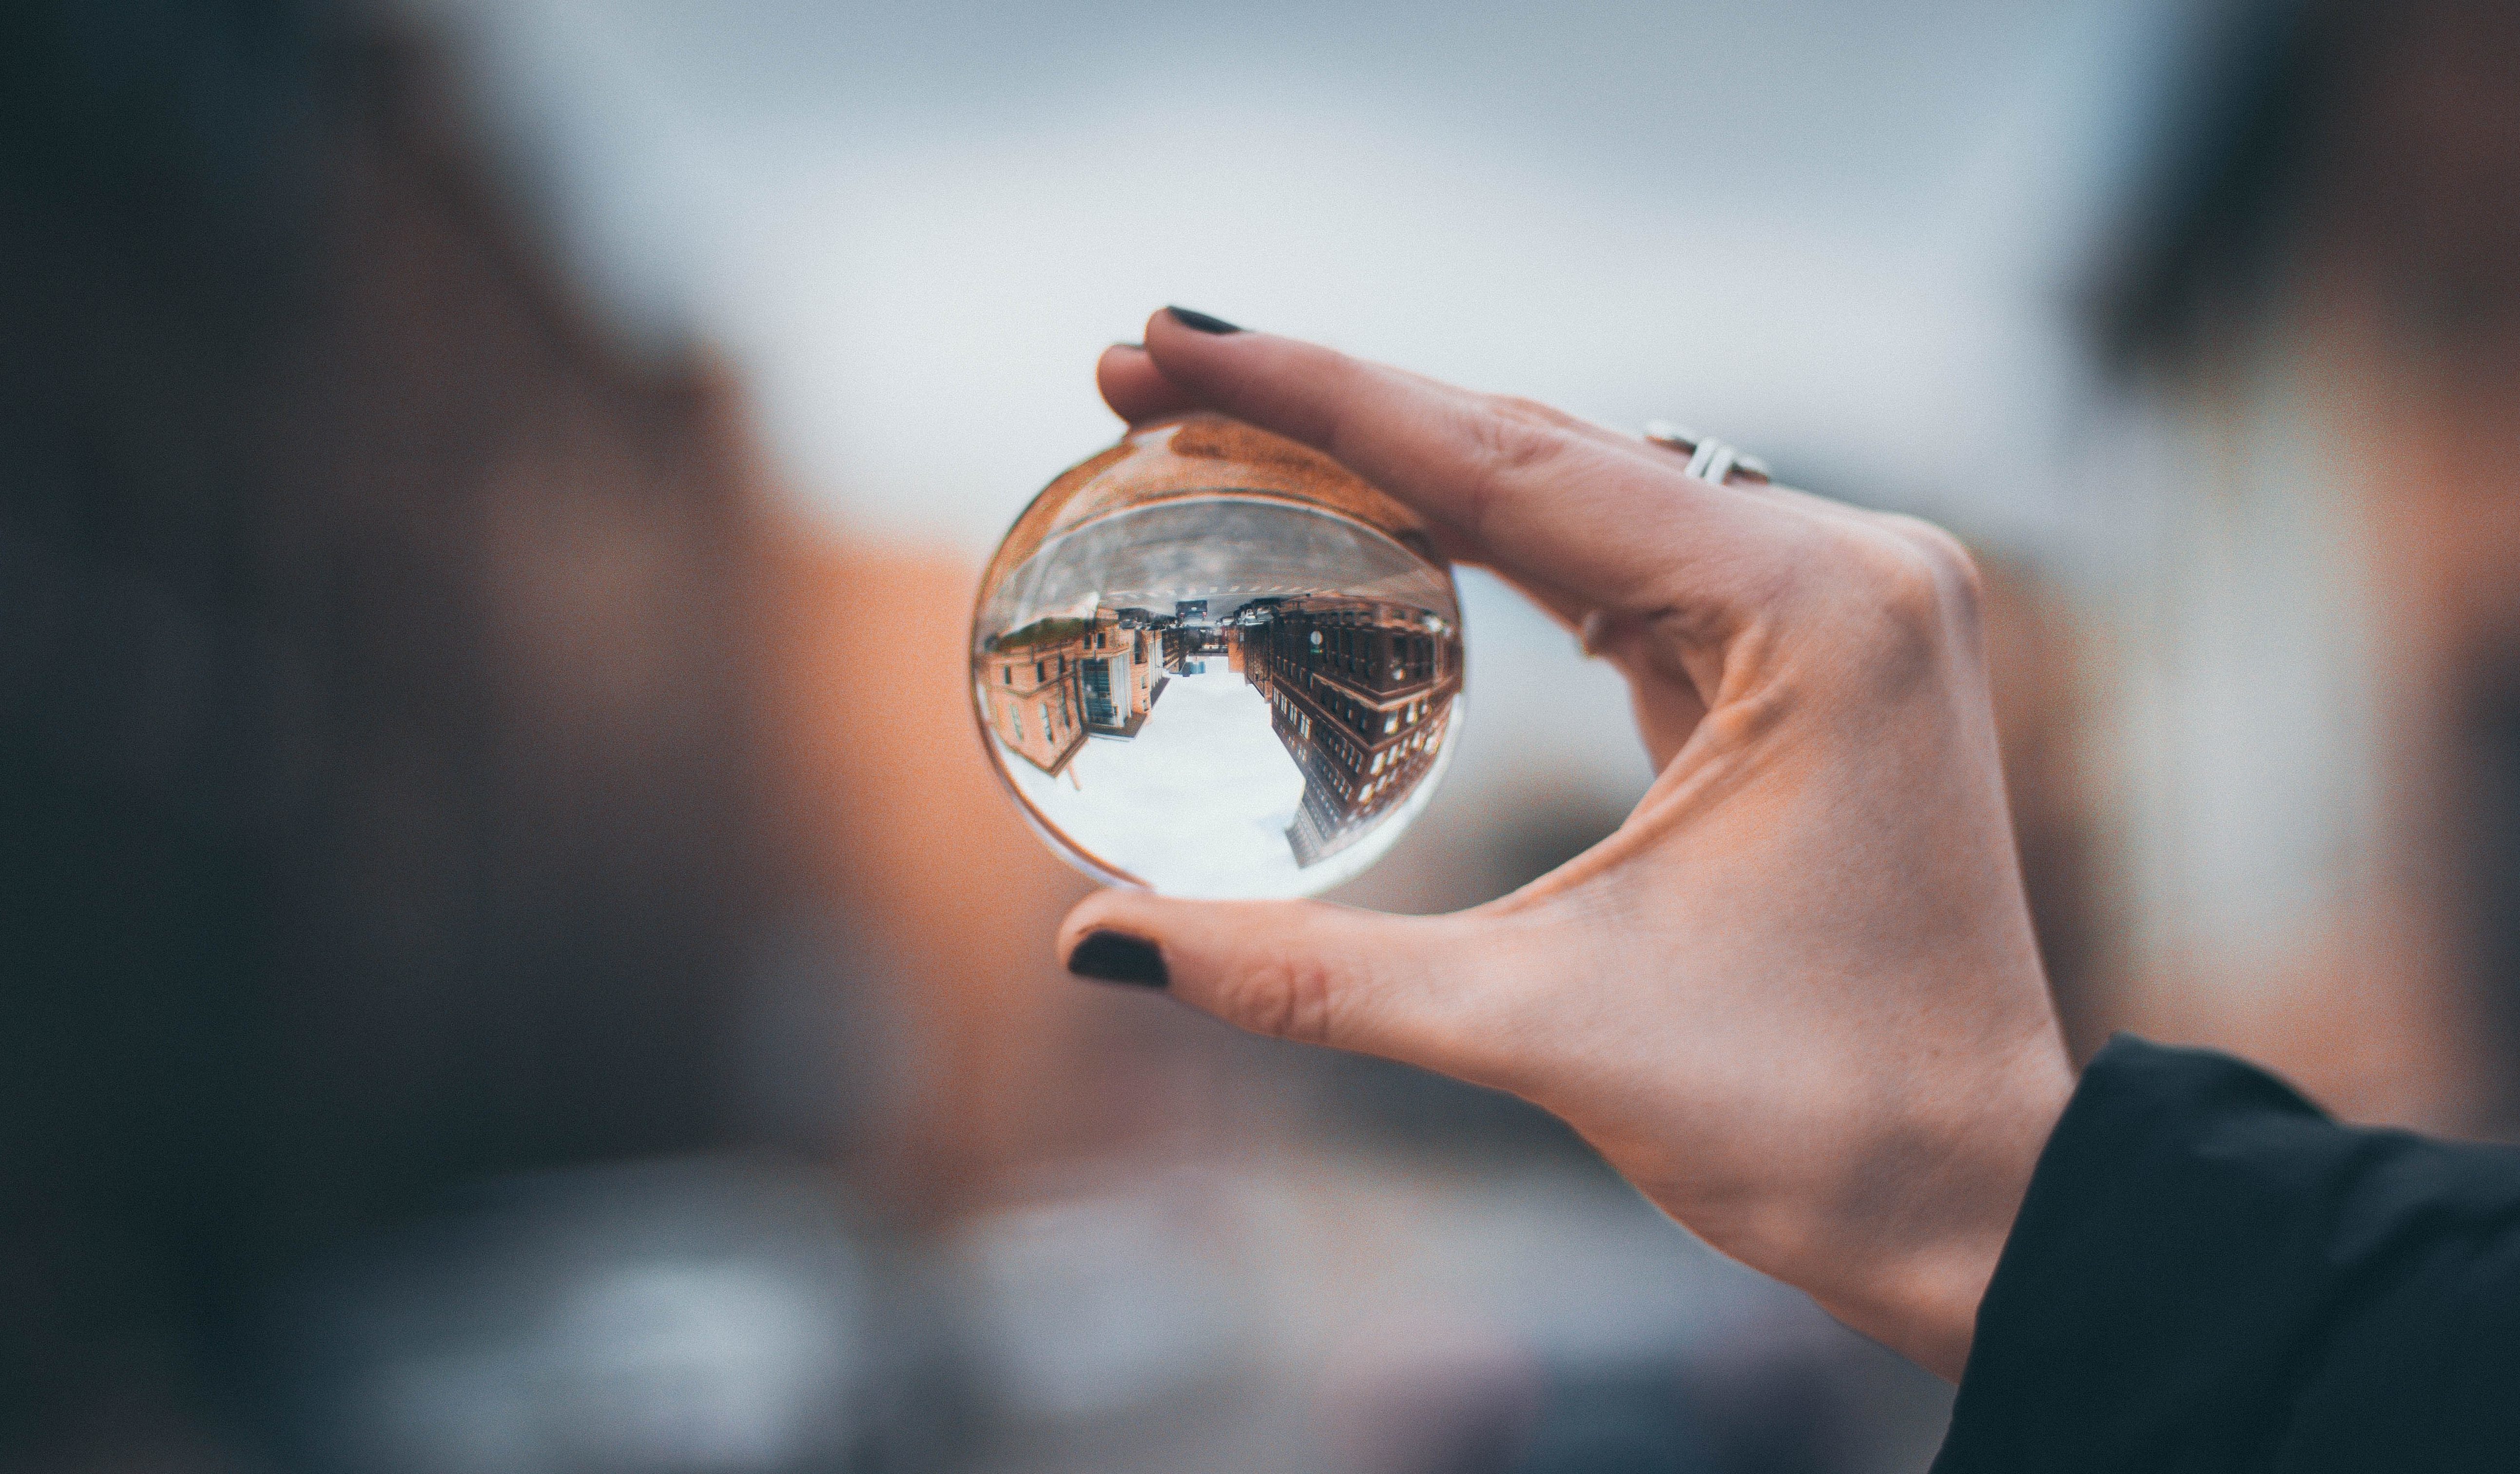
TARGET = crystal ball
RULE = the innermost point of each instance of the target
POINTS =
(1211, 662)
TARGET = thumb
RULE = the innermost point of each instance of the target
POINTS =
(1302, 971)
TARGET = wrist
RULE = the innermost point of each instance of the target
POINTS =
(1913, 1244)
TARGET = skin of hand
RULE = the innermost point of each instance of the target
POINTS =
(1795, 998)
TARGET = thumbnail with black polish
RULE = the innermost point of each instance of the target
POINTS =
(1202, 322)
(1114, 957)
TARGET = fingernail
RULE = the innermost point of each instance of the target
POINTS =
(1200, 321)
(1115, 957)
(1132, 347)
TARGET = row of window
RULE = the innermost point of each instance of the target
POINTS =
(1055, 723)
(1375, 655)
(1041, 670)
(1356, 714)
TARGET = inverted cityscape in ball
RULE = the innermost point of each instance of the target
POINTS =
(1211, 662)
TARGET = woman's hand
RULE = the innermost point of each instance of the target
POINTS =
(1796, 998)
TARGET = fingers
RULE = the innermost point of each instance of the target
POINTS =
(1400, 987)
(1544, 496)
(1135, 389)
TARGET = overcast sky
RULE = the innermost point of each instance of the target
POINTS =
(1837, 230)
(1842, 233)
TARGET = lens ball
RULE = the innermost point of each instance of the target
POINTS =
(1211, 662)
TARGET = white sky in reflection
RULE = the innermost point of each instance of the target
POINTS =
(1196, 804)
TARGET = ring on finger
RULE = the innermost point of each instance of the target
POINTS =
(1709, 459)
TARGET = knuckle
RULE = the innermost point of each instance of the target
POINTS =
(1901, 603)
(1900, 583)
(1917, 576)
(1955, 569)
(1513, 435)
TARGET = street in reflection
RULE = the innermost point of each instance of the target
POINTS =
(1229, 694)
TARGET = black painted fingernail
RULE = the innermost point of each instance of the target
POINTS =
(1200, 321)
(1132, 347)
(1115, 957)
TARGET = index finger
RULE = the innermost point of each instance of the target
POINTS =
(1540, 495)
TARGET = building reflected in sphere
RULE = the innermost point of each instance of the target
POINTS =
(1360, 691)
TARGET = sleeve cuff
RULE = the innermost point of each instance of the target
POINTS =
(2193, 1231)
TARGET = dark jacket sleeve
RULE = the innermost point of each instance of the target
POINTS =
(2210, 1275)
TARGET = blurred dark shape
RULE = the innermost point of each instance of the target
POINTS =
(1764, 1395)
(2228, 161)
(1620, 1422)
(2342, 197)
(2386, 134)
(692, 1315)
(372, 787)
(1595, 1418)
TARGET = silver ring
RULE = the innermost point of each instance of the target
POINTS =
(1709, 459)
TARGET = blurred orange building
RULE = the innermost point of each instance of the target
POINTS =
(949, 901)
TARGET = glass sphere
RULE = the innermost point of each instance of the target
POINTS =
(1211, 662)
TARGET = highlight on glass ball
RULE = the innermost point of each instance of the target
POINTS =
(1212, 662)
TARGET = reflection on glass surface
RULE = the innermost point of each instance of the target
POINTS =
(1212, 662)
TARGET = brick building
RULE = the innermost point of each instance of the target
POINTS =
(1032, 688)
(1360, 693)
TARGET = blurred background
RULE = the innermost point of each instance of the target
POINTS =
(514, 960)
